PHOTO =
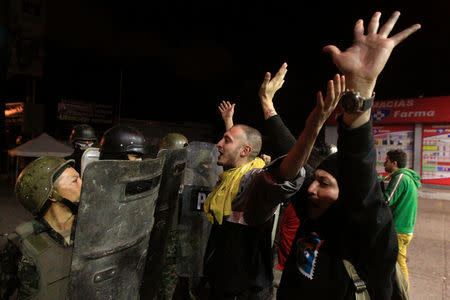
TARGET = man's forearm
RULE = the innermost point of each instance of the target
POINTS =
(228, 123)
(267, 107)
(298, 155)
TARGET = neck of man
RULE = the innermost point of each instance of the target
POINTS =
(241, 161)
(394, 168)
(59, 217)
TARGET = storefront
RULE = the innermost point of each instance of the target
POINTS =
(418, 126)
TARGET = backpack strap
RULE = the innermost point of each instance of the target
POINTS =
(361, 288)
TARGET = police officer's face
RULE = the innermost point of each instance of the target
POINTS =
(230, 148)
(322, 192)
(83, 144)
(68, 185)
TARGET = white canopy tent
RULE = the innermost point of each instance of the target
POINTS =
(43, 145)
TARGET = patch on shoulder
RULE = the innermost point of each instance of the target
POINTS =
(38, 243)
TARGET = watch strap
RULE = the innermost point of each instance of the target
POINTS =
(367, 103)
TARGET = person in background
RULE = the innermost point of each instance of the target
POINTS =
(401, 196)
(82, 137)
(123, 142)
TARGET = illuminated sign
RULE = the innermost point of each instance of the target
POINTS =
(14, 112)
(416, 110)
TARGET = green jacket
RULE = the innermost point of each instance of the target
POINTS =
(401, 196)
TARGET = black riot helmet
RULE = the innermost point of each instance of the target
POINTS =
(121, 140)
(83, 132)
(82, 137)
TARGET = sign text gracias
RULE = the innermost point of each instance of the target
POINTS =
(415, 110)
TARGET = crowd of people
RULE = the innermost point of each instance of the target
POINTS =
(341, 232)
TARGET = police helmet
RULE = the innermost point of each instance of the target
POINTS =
(174, 141)
(35, 183)
(83, 132)
(121, 140)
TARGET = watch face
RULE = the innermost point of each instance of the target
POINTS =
(350, 103)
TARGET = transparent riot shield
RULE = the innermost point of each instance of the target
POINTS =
(200, 176)
(113, 228)
(166, 218)
(89, 155)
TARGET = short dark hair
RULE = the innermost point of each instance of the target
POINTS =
(253, 137)
(399, 156)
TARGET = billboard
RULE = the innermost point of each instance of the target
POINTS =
(403, 111)
(393, 137)
(83, 112)
(436, 154)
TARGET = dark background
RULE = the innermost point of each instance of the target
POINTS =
(179, 59)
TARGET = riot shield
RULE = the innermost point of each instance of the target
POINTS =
(200, 176)
(166, 219)
(89, 155)
(115, 218)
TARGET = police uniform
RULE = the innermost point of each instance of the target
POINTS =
(36, 261)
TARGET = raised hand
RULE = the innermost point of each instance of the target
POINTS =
(227, 111)
(268, 89)
(366, 58)
(299, 153)
(267, 158)
(324, 108)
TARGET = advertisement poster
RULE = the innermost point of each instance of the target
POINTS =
(436, 154)
(390, 138)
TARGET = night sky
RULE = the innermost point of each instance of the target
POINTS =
(181, 58)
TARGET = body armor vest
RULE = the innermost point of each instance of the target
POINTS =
(52, 261)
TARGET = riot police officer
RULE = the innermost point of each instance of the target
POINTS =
(123, 142)
(37, 258)
(82, 137)
(169, 280)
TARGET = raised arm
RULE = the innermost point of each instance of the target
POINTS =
(281, 139)
(358, 187)
(365, 59)
(227, 111)
(268, 89)
(299, 154)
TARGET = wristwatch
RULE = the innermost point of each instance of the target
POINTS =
(352, 102)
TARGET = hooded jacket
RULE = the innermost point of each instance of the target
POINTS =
(401, 196)
(357, 227)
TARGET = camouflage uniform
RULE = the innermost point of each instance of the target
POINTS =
(169, 276)
(17, 271)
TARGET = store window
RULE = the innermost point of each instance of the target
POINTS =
(390, 138)
(436, 154)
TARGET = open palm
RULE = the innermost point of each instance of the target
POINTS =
(369, 53)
